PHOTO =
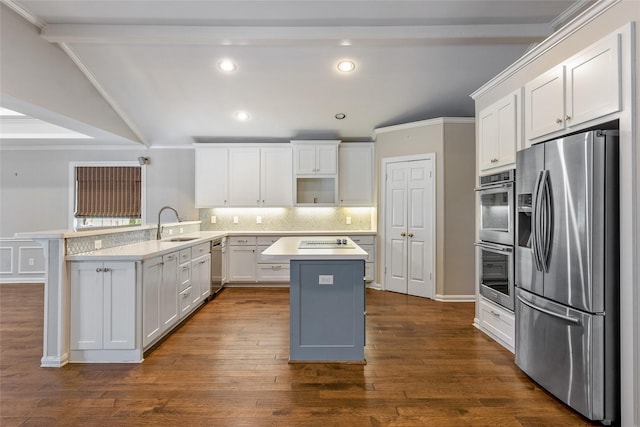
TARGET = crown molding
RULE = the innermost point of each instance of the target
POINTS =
(421, 123)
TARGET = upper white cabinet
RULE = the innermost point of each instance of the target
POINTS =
(499, 133)
(212, 176)
(244, 176)
(315, 157)
(276, 173)
(583, 88)
(356, 174)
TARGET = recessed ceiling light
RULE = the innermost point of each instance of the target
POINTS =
(227, 65)
(340, 116)
(346, 66)
(241, 116)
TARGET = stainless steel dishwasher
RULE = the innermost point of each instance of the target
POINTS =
(217, 247)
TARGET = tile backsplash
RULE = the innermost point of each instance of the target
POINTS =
(283, 219)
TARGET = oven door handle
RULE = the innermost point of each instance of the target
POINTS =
(549, 312)
(494, 247)
(494, 186)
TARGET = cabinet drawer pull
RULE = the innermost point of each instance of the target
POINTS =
(276, 267)
(495, 314)
(186, 267)
(242, 241)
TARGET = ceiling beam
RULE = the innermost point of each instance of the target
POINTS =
(232, 35)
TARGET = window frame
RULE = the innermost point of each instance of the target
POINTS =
(72, 185)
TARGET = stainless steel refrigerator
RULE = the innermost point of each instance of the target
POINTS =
(567, 270)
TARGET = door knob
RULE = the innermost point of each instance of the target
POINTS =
(410, 234)
(403, 234)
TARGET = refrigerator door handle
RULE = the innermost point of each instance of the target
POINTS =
(535, 223)
(569, 319)
(548, 220)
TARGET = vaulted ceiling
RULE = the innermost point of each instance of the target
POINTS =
(156, 63)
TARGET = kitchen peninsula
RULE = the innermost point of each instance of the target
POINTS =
(327, 301)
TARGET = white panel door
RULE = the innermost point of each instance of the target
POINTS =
(409, 235)
(119, 305)
(151, 286)
(212, 166)
(327, 159)
(86, 305)
(244, 176)
(544, 103)
(396, 227)
(169, 310)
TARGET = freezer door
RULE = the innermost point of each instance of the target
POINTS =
(576, 205)
(563, 351)
(529, 166)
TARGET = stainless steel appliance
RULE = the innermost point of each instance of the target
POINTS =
(217, 247)
(496, 273)
(496, 197)
(567, 267)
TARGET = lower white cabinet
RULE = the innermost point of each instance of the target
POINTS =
(497, 322)
(242, 259)
(103, 305)
(169, 314)
(201, 278)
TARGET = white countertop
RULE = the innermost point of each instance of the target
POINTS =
(145, 250)
(288, 247)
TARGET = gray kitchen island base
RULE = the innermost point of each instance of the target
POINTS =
(327, 311)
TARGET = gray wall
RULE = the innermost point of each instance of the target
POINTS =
(35, 185)
(454, 146)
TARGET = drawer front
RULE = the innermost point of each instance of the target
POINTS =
(267, 240)
(170, 257)
(185, 255)
(242, 241)
(498, 321)
(201, 249)
(184, 276)
(363, 240)
(185, 301)
(273, 273)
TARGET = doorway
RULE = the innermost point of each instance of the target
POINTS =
(409, 225)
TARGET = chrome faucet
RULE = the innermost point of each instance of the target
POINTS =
(159, 233)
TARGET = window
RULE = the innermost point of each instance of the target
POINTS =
(107, 196)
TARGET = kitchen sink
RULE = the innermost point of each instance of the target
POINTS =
(181, 239)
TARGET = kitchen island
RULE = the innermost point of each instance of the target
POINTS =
(327, 298)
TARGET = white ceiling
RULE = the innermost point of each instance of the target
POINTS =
(155, 61)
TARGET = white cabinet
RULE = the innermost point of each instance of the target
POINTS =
(498, 322)
(242, 259)
(276, 173)
(583, 88)
(212, 170)
(367, 243)
(201, 277)
(315, 157)
(103, 305)
(356, 174)
(270, 268)
(151, 287)
(499, 133)
(169, 314)
(244, 176)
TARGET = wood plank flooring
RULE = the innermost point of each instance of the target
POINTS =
(227, 366)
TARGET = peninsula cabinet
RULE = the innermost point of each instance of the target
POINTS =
(103, 306)
(583, 88)
(356, 174)
(499, 134)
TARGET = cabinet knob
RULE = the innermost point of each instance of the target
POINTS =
(403, 234)
(494, 160)
(410, 234)
(558, 121)
(567, 118)
(98, 270)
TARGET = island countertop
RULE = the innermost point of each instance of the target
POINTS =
(289, 247)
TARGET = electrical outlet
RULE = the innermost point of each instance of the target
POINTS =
(181, 230)
(31, 261)
(97, 244)
(170, 232)
(214, 219)
(348, 220)
(258, 219)
(235, 219)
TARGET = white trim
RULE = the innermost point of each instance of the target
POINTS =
(383, 186)
(554, 39)
(105, 94)
(24, 13)
(10, 257)
(55, 147)
(455, 298)
(22, 280)
(20, 271)
(569, 13)
(429, 122)
(72, 189)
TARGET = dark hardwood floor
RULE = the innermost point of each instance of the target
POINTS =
(227, 366)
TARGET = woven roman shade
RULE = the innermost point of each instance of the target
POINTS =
(112, 191)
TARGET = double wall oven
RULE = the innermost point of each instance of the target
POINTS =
(496, 198)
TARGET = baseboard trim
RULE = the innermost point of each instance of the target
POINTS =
(22, 280)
